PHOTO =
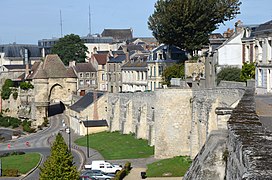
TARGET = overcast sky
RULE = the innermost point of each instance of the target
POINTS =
(27, 21)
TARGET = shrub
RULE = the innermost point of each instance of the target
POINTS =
(10, 172)
(26, 85)
(6, 89)
(15, 95)
(127, 167)
(120, 175)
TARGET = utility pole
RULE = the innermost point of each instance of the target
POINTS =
(88, 153)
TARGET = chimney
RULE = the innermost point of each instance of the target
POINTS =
(127, 56)
(72, 63)
(238, 26)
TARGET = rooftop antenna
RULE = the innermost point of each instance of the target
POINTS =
(90, 21)
(60, 25)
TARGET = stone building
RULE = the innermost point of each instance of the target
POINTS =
(53, 83)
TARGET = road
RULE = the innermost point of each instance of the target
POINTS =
(39, 142)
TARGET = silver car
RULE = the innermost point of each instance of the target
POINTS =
(97, 174)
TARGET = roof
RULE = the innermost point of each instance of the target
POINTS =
(16, 50)
(264, 27)
(117, 59)
(135, 64)
(132, 47)
(15, 66)
(85, 101)
(101, 58)
(118, 34)
(95, 123)
(118, 52)
(84, 67)
(53, 67)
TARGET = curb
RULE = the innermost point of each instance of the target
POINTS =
(33, 169)
(82, 155)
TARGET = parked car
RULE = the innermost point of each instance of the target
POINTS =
(95, 175)
(104, 166)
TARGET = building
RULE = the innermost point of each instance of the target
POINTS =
(114, 72)
(87, 77)
(99, 62)
(159, 59)
(119, 35)
(134, 75)
(263, 55)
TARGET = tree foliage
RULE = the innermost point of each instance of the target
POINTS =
(174, 71)
(248, 71)
(229, 74)
(26, 85)
(70, 48)
(6, 89)
(59, 165)
(188, 23)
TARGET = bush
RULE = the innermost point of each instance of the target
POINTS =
(127, 167)
(12, 153)
(15, 95)
(10, 172)
(229, 74)
(120, 175)
(6, 89)
(26, 85)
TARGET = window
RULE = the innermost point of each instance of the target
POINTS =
(92, 75)
(103, 66)
(81, 82)
(87, 74)
(160, 70)
(93, 82)
(81, 75)
(88, 82)
(154, 70)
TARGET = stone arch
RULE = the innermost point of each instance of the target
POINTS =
(55, 106)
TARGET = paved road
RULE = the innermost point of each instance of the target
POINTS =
(39, 142)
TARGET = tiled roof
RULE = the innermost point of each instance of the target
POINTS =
(84, 102)
(53, 67)
(84, 67)
(101, 58)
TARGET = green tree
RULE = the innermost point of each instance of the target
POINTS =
(174, 71)
(6, 89)
(70, 48)
(188, 23)
(248, 71)
(229, 74)
(59, 165)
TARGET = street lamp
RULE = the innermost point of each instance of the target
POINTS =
(69, 137)
(88, 153)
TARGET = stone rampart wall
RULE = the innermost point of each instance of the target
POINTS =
(176, 121)
(249, 145)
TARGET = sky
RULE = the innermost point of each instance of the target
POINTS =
(27, 21)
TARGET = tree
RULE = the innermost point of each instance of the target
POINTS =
(59, 165)
(188, 23)
(248, 71)
(174, 71)
(70, 48)
(6, 89)
(229, 74)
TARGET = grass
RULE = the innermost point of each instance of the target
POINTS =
(113, 145)
(23, 163)
(174, 167)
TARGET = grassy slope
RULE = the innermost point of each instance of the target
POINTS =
(23, 163)
(117, 146)
(175, 167)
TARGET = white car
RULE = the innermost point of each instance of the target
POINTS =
(104, 166)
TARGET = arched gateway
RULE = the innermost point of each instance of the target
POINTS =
(54, 84)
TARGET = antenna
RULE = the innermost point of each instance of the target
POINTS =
(90, 21)
(60, 25)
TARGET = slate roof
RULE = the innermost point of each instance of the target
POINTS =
(95, 123)
(53, 67)
(84, 102)
(117, 59)
(16, 50)
(132, 47)
(264, 27)
(118, 34)
(16, 66)
(84, 67)
(101, 58)
(119, 52)
(135, 64)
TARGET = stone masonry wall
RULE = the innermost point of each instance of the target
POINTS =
(176, 121)
(249, 145)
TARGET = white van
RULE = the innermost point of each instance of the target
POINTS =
(104, 166)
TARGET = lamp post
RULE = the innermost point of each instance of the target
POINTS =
(88, 153)
(69, 137)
